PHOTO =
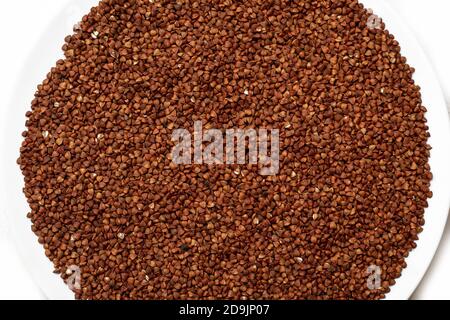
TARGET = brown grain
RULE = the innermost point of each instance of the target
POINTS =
(353, 181)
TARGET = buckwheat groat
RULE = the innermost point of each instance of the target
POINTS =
(353, 181)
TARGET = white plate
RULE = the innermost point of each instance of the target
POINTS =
(48, 51)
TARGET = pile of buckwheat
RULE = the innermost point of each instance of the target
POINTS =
(354, 178)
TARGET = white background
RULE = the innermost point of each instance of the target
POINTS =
(22, 22)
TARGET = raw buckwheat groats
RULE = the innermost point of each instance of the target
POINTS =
(106, 197)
